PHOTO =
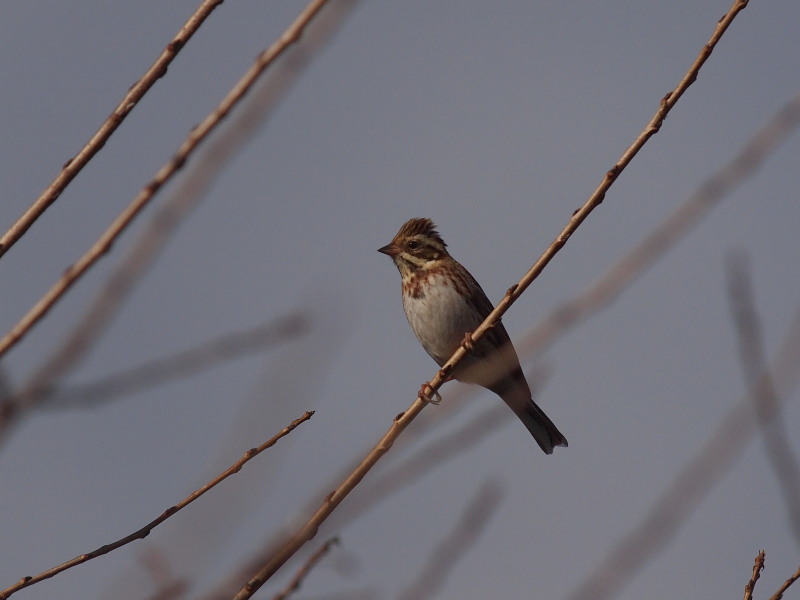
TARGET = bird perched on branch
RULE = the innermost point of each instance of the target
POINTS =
(444, 304)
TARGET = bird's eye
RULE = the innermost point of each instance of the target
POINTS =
(413, 245)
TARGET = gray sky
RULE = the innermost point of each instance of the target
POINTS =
(497, 120)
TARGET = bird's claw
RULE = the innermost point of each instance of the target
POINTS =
(467, 343)
(429, 395)
(444, 373)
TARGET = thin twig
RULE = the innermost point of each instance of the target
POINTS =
(762, 392)
(586, 304)
(310, 528)
(758, 566)
(667, 234)
(305, 569)
(145, 531)
(596, 198)
(782, 590)
(123, 279)
(378, 489)
(197, 135)
(175, 366)
(74, 166)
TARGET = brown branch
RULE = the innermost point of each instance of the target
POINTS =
(381, 487)
(74, 165)
(779, 594)
(197, 135)
(305, 569)
(175, 366)
(609, 286)
(762, 392)
(123, 279)
(596, 198)
(310, 528)
(758, 566)
(145, 531)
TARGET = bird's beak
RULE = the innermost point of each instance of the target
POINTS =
(390, 250)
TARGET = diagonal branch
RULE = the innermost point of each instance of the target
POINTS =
(196, 136)
(763, 394)
(608, 287)
(168, 368)
(74, 165)
(329, 504)
(123, 280)
(145, 531)
(597, 196)
(779, 594)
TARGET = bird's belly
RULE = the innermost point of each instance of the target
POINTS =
(440, 317)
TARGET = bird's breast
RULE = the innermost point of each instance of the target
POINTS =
(439, 314)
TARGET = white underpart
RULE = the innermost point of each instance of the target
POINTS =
(440, 318)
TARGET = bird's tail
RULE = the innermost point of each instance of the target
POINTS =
(541, 427)
(518, 397)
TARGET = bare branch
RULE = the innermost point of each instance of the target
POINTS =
(310, 528)
(183, 364)
(304, 570)
(779, 594)
(124, 278)
(596, 197)
(145, 531)
(196, 136)
(762, 392)
(383, 486)
(757, 568)
(137, 91)
(667, 234)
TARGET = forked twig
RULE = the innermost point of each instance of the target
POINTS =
(137, 91)
(145, 531)
(308, 530)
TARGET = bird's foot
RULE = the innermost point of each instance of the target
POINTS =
(467, 343)
(429, 395)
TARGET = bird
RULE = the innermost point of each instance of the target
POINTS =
(444, 304)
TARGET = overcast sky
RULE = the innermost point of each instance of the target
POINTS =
(497, 120)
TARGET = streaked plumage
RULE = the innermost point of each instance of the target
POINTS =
(443, 302)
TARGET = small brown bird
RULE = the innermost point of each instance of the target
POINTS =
(444, 303)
